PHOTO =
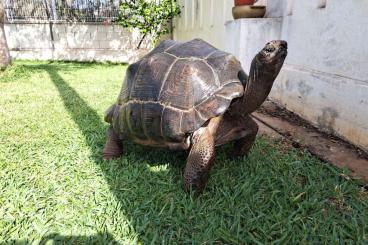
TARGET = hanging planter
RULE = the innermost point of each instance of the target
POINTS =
(246, 9)
(243, 2)
(249, 11)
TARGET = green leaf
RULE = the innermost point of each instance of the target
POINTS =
(148, 17)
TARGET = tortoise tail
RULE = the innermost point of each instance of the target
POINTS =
(109, 114)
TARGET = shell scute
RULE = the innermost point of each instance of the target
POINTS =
(190, 121)
(187, 84)
(171, 125)
(174, 90)
(151, 120)
(162, 46)
(232, 89)
(212, 106)
(128, 81)
(225, 65)
(133, 120)
(150, 76)
(194, 48)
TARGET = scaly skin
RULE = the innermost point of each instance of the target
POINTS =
(263, 71)
(243, 145)
(113, 146)
(201, 156)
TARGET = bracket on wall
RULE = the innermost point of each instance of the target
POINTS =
(321, 4)
(290, 4)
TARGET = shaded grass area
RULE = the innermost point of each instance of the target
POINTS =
(55, 187)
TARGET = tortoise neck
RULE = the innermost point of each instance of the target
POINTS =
(259, 85)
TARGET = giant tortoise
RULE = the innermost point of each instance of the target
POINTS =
(192, 96)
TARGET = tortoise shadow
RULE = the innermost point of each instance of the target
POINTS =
(94, 130)
(56, 238)
(90, 123)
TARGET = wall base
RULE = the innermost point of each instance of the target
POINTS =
(321, 98)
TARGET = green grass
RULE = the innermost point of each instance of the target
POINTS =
(54, 187)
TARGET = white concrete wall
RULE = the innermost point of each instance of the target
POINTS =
(325, 79)
(325, 76)
(204, 19)
(82, 42)
(241, 35)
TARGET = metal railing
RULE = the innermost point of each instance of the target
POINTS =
(61, 10)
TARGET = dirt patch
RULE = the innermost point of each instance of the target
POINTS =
(302, 134)
(272, 109)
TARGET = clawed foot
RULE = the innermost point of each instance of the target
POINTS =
(109, 156)
(113, 147)
(111, 152)
(238, 153)
(196, 183)
(234, 156)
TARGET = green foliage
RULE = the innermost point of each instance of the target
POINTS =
(149, 17)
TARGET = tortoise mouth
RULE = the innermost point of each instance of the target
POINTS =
(283, 44)
(282, 49)
(282, 53)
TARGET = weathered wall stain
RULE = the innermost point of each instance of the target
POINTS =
(363, 101)
(335, 102)
(326, 121)
(288, 85)
(330, 62)
(196, 7)
(304, 89)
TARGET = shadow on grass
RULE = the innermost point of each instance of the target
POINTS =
(125, 179)
(87, 119)
(94, 129)
(55, 238)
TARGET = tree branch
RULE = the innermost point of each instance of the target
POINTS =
(140, 42)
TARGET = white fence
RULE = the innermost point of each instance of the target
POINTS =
(77, 41)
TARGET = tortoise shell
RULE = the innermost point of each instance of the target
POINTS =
(174, 90)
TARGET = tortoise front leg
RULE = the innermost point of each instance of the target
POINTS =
(200, 161)
(113, 146)
(201, 157)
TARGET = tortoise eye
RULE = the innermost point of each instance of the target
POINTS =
(270, 49)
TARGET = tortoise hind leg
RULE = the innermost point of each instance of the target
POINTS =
(113, 146)
(241, 130)
(243, 145)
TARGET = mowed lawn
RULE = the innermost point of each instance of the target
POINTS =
(54, 186)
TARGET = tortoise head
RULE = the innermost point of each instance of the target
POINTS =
(272, 56)
(264, 69)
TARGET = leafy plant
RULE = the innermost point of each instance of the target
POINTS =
(150, 17)
(13, 73)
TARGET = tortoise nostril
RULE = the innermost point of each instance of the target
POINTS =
(283, 44)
